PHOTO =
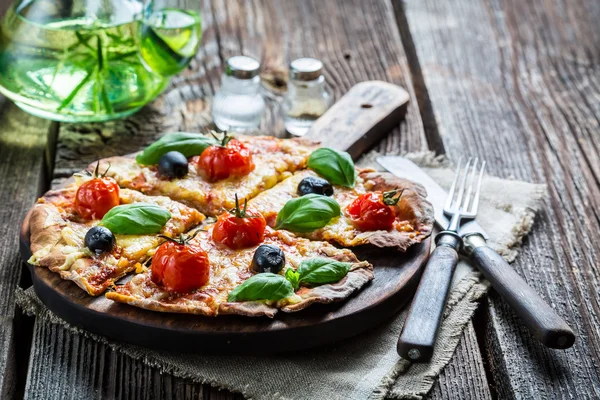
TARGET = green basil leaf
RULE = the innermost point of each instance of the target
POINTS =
(264, 286)
(188, 144)
(335, 166)
(319, 271)
(293, 277)
(136, 219)
(307, 213)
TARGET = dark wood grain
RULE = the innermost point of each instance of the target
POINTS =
(357, 41)
(464, 377)
(22, 144)
(520, 87)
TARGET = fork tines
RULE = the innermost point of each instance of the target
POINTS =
(465, 200)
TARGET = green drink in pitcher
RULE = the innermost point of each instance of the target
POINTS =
(92, 60)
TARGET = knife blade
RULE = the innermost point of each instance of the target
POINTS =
(404, 168)
(541, 319)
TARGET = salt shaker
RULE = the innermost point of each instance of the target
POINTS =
(306, 98)
(238, 106)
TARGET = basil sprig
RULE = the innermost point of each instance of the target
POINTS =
(335, 166)
(136, 219)
(188, 144)
(317, 271)
(264, 286)
(307, 213)
(267, 286)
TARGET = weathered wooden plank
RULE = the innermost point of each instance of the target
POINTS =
(22, 144)
(518, 83)
(357, 41)
(464, 377)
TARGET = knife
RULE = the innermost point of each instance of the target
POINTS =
(541, 320)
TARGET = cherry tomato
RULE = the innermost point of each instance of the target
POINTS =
(180, 267)
(369, 213)
(239, 228)
(220, 162)
(96, 197)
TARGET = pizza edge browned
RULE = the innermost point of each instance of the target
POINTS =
(360, 274)
(413, 203)
(49, 235)
(325, 294)
(44, 235)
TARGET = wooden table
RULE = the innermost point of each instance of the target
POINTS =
(514, 81)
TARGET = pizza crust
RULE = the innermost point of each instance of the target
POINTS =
(57, 239)
(229, 268)
(413, 207)
(414, 222)
(50, 250)
(331, 293)
(283, 161)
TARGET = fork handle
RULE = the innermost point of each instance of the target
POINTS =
(541, 320)
(419, 333)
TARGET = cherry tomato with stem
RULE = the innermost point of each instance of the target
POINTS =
(239, 228)
(97, 196)
(180, 266)
(230, 158)
(374, 211)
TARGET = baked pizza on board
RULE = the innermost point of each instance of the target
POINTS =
(92, 232)
(283, 217)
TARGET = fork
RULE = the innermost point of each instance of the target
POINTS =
(419, 333)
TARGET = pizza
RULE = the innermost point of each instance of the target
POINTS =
(212, 180)
(59, 225)
(230, 267)
(216, 225)
(410, 223)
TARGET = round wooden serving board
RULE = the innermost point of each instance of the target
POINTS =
(363, 115)
(396, 278)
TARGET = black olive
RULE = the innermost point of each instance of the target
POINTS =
(173, 165)
(311, 184)
(99, 239)
(268, 258)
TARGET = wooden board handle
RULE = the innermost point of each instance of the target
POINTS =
(419, 333)
(541, 320)
(361, 117)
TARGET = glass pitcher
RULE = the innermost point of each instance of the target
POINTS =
(94, 60)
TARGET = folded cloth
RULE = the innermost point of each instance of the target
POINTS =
(366, 366)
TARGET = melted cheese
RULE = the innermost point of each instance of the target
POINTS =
(229, 268)
(275, 160)
(340, 229)
(130, 248)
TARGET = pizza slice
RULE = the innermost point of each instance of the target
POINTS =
(95, 233)
(206, 174)
(239, 266)
(380, 209)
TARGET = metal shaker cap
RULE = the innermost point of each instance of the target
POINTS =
(242, 67)
(306, 69)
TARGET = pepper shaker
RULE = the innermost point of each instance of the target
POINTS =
(238, 105)
(306, 99)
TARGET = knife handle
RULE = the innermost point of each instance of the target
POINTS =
(541, 320)
(419, 333)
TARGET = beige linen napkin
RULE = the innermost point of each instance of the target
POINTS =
(366, 366)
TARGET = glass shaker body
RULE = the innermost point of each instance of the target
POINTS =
(306, 99)
(238, 106)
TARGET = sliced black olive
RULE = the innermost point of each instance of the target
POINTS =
(173, 165)
(99, 239)
(268, 258)
(312, 184)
